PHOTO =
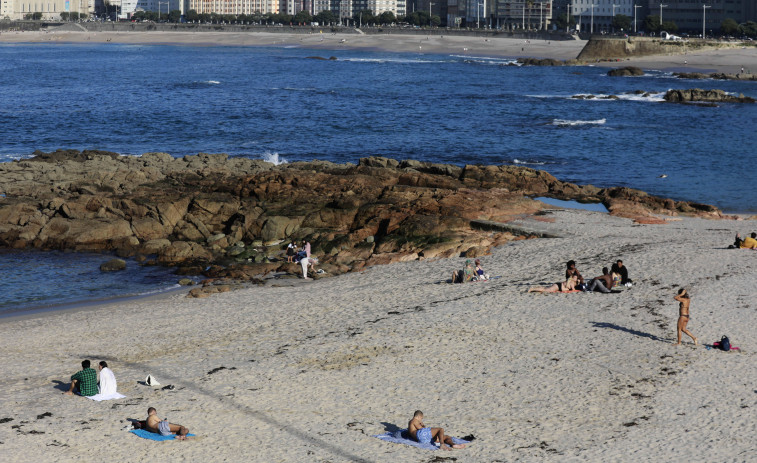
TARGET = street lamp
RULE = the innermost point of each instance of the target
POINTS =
(567, 18)
(634, 17)
(592, 19)
(704, 8)
(661, 7)
(613, 17)
(429, 13)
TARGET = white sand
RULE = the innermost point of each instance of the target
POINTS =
(321, 366)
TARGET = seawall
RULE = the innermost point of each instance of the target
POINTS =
(614, 47)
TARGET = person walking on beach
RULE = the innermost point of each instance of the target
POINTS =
(163, 427)
(683, 315)
(83, 382)
(424, 435)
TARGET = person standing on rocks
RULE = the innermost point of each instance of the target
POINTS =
(291, 248)
(308, 262)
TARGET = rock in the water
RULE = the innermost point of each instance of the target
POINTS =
(113, 265)
(626, 72)
(706, 96)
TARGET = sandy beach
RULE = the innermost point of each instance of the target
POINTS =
(310, 371)
(721, 60)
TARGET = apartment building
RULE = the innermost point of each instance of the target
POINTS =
(596, 15)
(690, 15)
(523, 14)
(50, 9)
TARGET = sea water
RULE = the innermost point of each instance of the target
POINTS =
(279, 104)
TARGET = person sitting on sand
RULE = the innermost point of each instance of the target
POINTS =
(566, 287)
(572, 270)
(83, 382)
(683, 315)
(603, 283)
(424, 435)
(621, 270)
(163, 427)
(465, 275)
(750, 242)
(480, 274)
(107, 384)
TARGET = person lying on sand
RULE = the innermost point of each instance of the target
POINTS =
(424, 435)
(603, 283)
(163, 427)
(83, 382)
(567, 286)
(750, 242)
(683, 315)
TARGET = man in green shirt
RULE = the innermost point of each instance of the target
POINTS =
(85, 381)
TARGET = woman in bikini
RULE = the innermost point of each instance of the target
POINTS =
(568, 286)
(683, 315)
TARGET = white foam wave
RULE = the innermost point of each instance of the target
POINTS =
(391, 60)
(570, 123)
(274, 158)
(528, 162)
(648, 97)
(212, 82)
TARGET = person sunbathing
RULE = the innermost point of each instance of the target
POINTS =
(566, 287)
(424, 435)
(603, 283)
(163, 427)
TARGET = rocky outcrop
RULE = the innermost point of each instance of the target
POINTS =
(626, 71)
(715, 75)
(231, 217)
(705, 96)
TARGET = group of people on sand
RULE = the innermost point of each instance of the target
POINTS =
(574, 281)
(302, 256)
(85, 383)
(471, 272)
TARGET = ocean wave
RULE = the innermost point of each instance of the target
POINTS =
(392, 60)
(648, 97)
(576, 123)
(273, 158)
(528, 162)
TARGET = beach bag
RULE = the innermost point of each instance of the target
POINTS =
(725, 343)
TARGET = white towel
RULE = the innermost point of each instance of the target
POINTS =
(107, 387)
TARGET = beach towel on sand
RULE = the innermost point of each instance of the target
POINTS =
(107, 386)
(145, 434)
(402, 437)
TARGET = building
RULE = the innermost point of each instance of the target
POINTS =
(50, 9)
(524, 14)
(595, 16)
(689, 15)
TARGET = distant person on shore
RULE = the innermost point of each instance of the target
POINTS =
(163, 427)
(603, 283)
(465, 275)
(424, 435)
(480, 274)
(621, 270)
(567, 286)
(683, 315)
(572, 270)
(750, 242)
(83, 382)
(306, 262)
(291, 249)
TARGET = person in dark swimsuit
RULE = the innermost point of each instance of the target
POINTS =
(683, 315)
(565, 287)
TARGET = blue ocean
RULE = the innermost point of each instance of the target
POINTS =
(280, 104)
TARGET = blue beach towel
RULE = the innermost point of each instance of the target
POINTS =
(402, 437)
(145, 434)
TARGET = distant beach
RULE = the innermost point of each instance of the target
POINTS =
(725, 60)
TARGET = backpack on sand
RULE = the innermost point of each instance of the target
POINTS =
(725, 343)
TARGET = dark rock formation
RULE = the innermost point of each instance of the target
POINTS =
(715, 75)
(706, 96)
(113, 265)
(626, 71)
(235, 215)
